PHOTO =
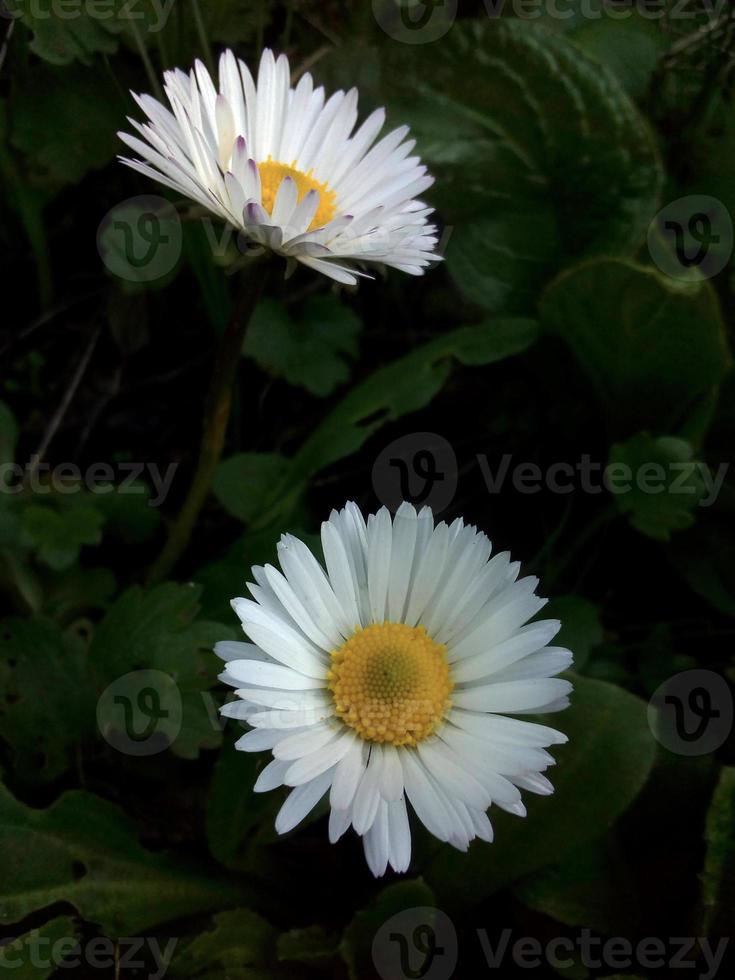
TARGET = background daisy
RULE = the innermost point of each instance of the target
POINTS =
(287, 167)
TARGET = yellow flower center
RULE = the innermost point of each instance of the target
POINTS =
(390, 683)
(271, 175)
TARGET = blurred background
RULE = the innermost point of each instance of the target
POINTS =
(563, 380)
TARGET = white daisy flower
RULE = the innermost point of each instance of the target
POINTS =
(283, 166)
(390, 677)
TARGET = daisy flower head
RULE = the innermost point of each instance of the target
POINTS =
(390, 678)
(286, 167)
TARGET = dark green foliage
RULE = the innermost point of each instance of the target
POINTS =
(550, 333)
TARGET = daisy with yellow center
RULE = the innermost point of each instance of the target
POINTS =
(286, 167)
(388, 679)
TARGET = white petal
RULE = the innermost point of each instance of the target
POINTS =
(301, 801)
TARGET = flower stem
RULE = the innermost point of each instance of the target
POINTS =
(216, 417)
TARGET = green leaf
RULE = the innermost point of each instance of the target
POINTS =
(82, 850)
(78, 591)
(243, 483)
(155, 631)
(677, 480)
(630, 48)
(36, 954)
(239, 942)
(46, 703)
(500, 261)
(406, 385)
(127, 510)
(135, 627)
(653, 348)
(234, 812)
(58, 533)
(610, 747)
(533, 141)
(581, 629)
(66, 35)
(592, 886)
(718, 874)
(311, 350)
(357, 941)
(62, 131)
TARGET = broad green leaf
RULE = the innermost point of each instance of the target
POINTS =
(58, 533)
(630, 47)
(77, 591)
(240, 944)
(581, 629)
(610, 748)
(234, 812)
(653, 348)
(128, 509)
(666, 485)
(592, 886)
(243, 483)
(62, 131)
(74, 32)
(539, 153)
(406, 385)
(36, 954)
(130, 635)
(156, 631)
(311, 350)
(500, 261)
(46, 701)
(718, 874)
(357, 941)
(84, 851)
